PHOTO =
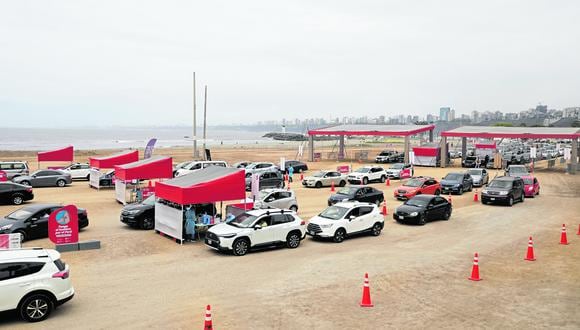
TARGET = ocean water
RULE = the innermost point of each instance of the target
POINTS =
(120, 138)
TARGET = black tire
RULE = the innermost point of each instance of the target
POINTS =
(523, 198)
(383, 179)
(293, 240)
(377, 228)
(240, 247)
(422, 220)
(22, 235)
(447, 214)
(280, 185)
(342, 184)
(339, 235)
(25, 182)
(437, 192)
(318, 184)
(17, 199)
(60, 183)
(460, 192)
(147, 223)
(470, 187)
(294, 208)
(365, 180)
(89, 177)
(511, 201)
(36, 307)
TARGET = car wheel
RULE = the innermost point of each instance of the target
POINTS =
(437, 192)
(60, 183)
(26, 183)
(22, 235)
(470, 187)
(147, 223)
(17, 200)
(36, 307)
(342, 184)
(294, 208)
(383, 179)
(293, 240)
(376, 230)
(538, 193)
(422, 220)
(89, 177)
(365, 181)
(523, 198)
(447, 214)
(241, 247)
(280, 185)
(318, 184)
(460, 191)
(511, 201)
(339, 235)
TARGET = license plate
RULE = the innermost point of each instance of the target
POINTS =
(492, 198)
(401, 217)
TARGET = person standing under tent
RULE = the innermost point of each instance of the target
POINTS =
(190, 223)
(290, 173)
(477, 162)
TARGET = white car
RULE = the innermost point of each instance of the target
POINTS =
(257, 228)
(367, 174)
(345, 219)
(33, 282)
(277, 198)
(198, 165)
(78, 171)
(260, 167)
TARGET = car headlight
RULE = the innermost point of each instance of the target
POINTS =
(484, 191)
(227, 235)
(414, 214)
(326, 226)
(132, 212)
(503, 193)
(345, 199)
(6, 226)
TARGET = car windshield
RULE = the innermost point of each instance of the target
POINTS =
(385, 153)
(474, 172)
(250, 166)
(470, 158)
(414, 183)
(518, 170)
(111, 172)
(363, 170)
(182, 165)
(397, 166)
(319, 174)
(149, 200)
(453, 177)
(528, 181)
(347, 191)
(19, 215)
(416, 202)
(243, 220)
(500, 184)
(263, 194)
(334, 213)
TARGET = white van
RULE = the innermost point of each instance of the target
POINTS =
(198, 165)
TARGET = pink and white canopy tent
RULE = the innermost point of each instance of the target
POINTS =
(427, 155)
(156, 167)
(109, 162)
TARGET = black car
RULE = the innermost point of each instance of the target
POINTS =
(469, 161)
(15, 193)
(140, 215)
(106, 180)
(273, 179)
(357, 193)
(423, 208)
(298, 166)
(505, 190)
(456, 183)
(32, 221)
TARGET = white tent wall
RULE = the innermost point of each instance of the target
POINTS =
(169, 220)
(425, 160)
(121, 191)
(95, 175)
(482, 152)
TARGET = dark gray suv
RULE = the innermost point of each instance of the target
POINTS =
(45, 178)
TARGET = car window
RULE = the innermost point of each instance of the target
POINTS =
(195, 166)
(18, 269)
(265, 221)
(278, 219)
(42, 173)
(284, 194)
(5, 166)
(535, 181)
(438, 201)
(54, 173)
(354, 212)
(365, 210)
(5, 187)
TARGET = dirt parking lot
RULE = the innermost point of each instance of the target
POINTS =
(418, 274)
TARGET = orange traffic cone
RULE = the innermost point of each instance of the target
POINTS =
(384, 211)
(366, 297)
(476, 196)
(578, 230)
(208, 323)
(564, 237)
(388, 181)
(449, 199)
(301, 177)
(475, 269)
(332, 187)
(530, 254)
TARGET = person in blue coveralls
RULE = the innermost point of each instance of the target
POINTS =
(290, 173)
(190, 223)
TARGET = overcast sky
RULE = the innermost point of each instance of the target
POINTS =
(131, 62)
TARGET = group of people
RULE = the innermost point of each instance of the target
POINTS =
(481, 163)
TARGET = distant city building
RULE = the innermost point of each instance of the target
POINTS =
(475, 116)
(572, 112)
(451, 115)
(444, 113)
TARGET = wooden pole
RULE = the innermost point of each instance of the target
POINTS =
(195, 152)
(204, 122)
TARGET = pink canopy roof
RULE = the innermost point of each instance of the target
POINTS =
(426, 151)
(59, 155)
(116, 159)
(156, 167)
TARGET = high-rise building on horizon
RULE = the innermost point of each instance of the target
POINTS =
(444, 113)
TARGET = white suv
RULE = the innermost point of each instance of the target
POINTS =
(345, 219)
(257, 228)
(367, 174)
(78, 171)
(33, 282)
(198, 165)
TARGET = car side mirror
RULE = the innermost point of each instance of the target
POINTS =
(33, 219)
(256, 227)
(352, 217)
(269, 200)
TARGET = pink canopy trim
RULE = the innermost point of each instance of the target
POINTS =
(157, 167)
(116, 159)
(485, 146)
(60, 155)
(426, 151)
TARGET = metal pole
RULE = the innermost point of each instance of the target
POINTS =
(204, 122)
(195, 152)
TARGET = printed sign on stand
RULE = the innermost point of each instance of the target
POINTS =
(533, 151)
(282, 164)
(343, 169)
(63, 225)
(10, 241)
(255, 185)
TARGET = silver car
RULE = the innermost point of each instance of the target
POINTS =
(45, 178)
(277, 199)
(260, 167)
(479, 175)
(325, 179)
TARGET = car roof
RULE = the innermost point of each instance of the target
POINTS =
(38, 207)
(424, 197)
(260, 212)
(28, 253)
(506, 178)
(353, 204)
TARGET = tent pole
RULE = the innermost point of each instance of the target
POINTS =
(195, 153)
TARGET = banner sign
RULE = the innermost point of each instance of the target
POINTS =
(282, 164)
(533, 152)
(255, 185)
(406, 173)
(10, 241)
(63, 225)
(343, 169)
(567, 153)
(149, 148)
(3, 176)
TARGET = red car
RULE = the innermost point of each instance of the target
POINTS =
(531, 186)
(416, 186)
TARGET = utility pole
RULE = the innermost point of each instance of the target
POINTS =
(204, 122)
(195, 152)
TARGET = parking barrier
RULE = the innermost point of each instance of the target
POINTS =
(564, 236)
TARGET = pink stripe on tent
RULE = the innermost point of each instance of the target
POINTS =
(59, 155)
(485, 146)
(426, 151)
(116, 159)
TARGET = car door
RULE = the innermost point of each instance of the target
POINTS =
(5, 193)
(439, 206)
(284, 199)
(336, 178)
(466, 181)
(359, 195)
(364, 220)
(281, 225)
(351, 225)
(265, 234)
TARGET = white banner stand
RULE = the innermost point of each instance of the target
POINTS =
(121, 191)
